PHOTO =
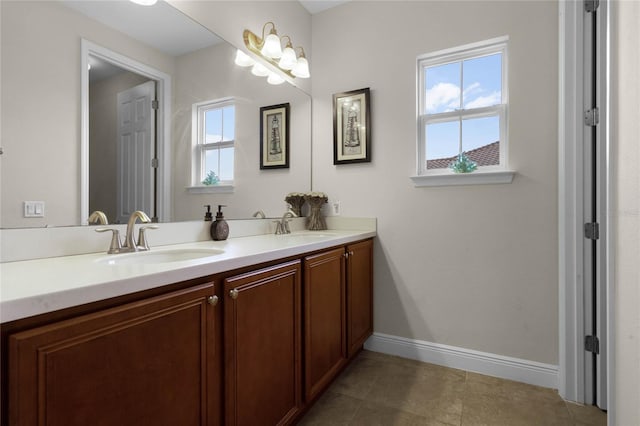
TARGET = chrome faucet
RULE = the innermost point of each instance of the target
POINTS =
(130, 244)
(259, 214)
(98, 218)
(282, 225)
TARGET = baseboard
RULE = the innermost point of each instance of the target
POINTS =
(505, 367)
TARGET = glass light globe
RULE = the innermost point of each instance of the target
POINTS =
(274, 79)
(302, 68)
(259, 70)
(288, 59)
(243, 60)
(271, 48)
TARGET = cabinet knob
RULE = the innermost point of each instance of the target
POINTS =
(346, 255)
(212, 300)
(234, 294)
(350, 253)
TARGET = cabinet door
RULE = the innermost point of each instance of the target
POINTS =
(262, 346)
(325, 319)
(359, 294)
(139, 364)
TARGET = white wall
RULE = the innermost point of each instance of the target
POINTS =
(468, 266)
(625, 211)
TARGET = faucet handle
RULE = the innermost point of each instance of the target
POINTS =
(116, 243)
(285, 226)
(143, 244)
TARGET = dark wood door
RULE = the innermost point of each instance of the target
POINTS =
(144, 363)
(262, 329)
(359, 294)
(324, 318)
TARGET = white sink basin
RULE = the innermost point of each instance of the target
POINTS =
(160, 256)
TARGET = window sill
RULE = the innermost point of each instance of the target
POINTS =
(211, 189)
(475, 178)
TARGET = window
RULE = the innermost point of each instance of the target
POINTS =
(213, 139)
(462, 101)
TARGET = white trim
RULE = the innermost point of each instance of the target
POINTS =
(521, 370)
(570, 202)
(452, 179)
(211, 189)
(457, 54)
(164, 123)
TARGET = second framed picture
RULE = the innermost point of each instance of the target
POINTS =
(351, 127)
(274, 137)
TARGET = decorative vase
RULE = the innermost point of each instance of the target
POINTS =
(296, 201)
(316, 222)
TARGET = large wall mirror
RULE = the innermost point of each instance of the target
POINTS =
(71, 70)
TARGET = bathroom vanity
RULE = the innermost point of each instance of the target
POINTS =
(252, 334)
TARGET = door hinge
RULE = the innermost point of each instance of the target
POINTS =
(592, 344)
(592, 230)
(592, 117)
(154, 163)
(591, 5)
(155, 104)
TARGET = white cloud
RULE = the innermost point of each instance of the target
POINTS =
(442, 97)
(493, 98)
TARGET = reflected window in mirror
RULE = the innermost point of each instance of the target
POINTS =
(214, 142)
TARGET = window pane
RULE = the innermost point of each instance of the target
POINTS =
(213, 125)
(482, 81)
(228, 123)
(442, 143)
(226, 164)
(481, 140)
(211, 162)
(442, 84)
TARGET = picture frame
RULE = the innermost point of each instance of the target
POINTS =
(352, 127)
(274, 137)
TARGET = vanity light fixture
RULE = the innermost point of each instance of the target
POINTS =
(279, 64)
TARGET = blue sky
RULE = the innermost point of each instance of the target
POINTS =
(481, 80)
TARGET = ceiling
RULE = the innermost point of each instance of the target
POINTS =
(316, 6)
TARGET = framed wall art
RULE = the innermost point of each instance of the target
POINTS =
(351, 127)
(274, 137)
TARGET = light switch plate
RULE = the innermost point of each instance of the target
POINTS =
(34, 209)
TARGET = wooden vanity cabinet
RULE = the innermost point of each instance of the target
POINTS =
(338, 311)
(262, 337)
(324, 319)
(359, 270)
(151, 362)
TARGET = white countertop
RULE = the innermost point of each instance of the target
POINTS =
(34, 287)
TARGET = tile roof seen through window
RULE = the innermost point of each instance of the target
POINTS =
(487, 155)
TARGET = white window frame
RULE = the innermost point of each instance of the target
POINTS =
(484, 174)
(199, 148)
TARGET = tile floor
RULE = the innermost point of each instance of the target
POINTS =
(378, 389)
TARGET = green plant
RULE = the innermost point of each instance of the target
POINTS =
(211, 179)
(463, 164)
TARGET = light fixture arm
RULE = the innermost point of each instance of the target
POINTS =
(273, 30)
(289, 43)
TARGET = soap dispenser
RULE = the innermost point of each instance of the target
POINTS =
(219, 227)
(208, 217)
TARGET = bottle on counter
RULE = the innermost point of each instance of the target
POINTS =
(219, 227)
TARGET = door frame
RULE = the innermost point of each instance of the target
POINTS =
(571, 384)
(163, 134)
